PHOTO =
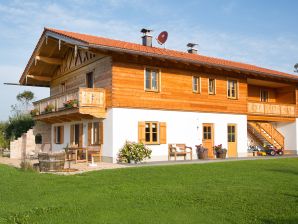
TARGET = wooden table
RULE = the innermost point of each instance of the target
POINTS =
(76, 150)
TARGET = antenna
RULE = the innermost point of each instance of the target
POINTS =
(146, 31)
(162, 37)
(191, 45)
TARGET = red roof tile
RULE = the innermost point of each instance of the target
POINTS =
(122, 45)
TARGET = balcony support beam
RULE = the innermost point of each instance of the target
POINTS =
(53, 61)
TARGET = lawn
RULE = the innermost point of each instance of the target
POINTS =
(262, 191)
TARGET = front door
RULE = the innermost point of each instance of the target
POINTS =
(232, 140)
(208, 139)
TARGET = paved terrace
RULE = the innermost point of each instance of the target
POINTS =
(83, 167)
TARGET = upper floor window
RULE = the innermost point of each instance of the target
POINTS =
(264, 95)
(196, 84)
(211, 86)
(89, 80)
(232, 89)
(151, 80)
(63, 87)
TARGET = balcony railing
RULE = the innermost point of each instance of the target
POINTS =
(77, 98)
(271, 109)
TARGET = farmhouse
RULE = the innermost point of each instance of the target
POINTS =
(104, 92)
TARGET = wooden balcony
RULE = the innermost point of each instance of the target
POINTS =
(271, 109)
(77, 104)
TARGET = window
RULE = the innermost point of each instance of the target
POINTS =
(207, 133)
(231, 133)
(232, 89)
(76, 134)
(264, 95)
(196, 87)
(211, 86)
(58, 134)
(95, 133)
(151, 132)
(38, 139)
(63, 87)
(95, 139)
(151, 80)
(89, 80)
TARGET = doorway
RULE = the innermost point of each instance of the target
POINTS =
(232, 140)
(208, 139)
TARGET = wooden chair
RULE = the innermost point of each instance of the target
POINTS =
(95, 154)
(179, 150)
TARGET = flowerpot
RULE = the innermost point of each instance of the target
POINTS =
(203, 155)
(75, 105)
(221, 155)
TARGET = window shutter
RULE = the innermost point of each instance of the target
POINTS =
(81, 136)
(141, 131)
(89, 133)
(61, 134)
(100, 132)
(72, 131)
(162, 132)
(55, 135)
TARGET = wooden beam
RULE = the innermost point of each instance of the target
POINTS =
(39, 78)
(55, 61)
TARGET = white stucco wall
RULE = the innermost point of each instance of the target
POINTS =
(290, 132)
(182, 127)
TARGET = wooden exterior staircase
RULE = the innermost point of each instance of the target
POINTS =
(266, 134)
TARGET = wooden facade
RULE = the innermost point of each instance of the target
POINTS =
(120, 79)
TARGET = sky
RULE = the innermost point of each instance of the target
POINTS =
(262, 33)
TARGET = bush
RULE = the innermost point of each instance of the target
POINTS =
(132, 151)
(18, 125)
(27, 166)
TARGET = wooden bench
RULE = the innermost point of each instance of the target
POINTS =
(179, 150)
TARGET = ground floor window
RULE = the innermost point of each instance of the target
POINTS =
(76, 134)
(95, 133)
(152, 132)
(58, 134)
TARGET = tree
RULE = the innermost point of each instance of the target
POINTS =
(4, 142)
(25, 102)
(296, 68)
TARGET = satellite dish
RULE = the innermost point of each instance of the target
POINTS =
(162, 37)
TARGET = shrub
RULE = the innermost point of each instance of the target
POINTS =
(132, 151)
(27, 166)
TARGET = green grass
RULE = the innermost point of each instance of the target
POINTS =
(262, 191)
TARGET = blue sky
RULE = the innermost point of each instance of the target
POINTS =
(263, 33)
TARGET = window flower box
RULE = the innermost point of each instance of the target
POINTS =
(49, 108)
(71, 104)
(34, 112)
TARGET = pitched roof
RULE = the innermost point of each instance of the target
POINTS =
(161, 52)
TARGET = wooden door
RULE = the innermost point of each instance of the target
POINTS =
(208, 139)
(232, 140)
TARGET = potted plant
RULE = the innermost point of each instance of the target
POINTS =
(34, 112)
(133, 152)
(49, 108)
(202, 152)
(220, 152)
(71, 103)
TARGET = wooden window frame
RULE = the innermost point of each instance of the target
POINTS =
(58, 135)
(151, 142)
(214, 92)
(235, 134)
(63, 87)
(211, 133)
(158, 72)
(86, 79)
(261, 98)
(93, 133)
(198, 78)
(236, 89)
